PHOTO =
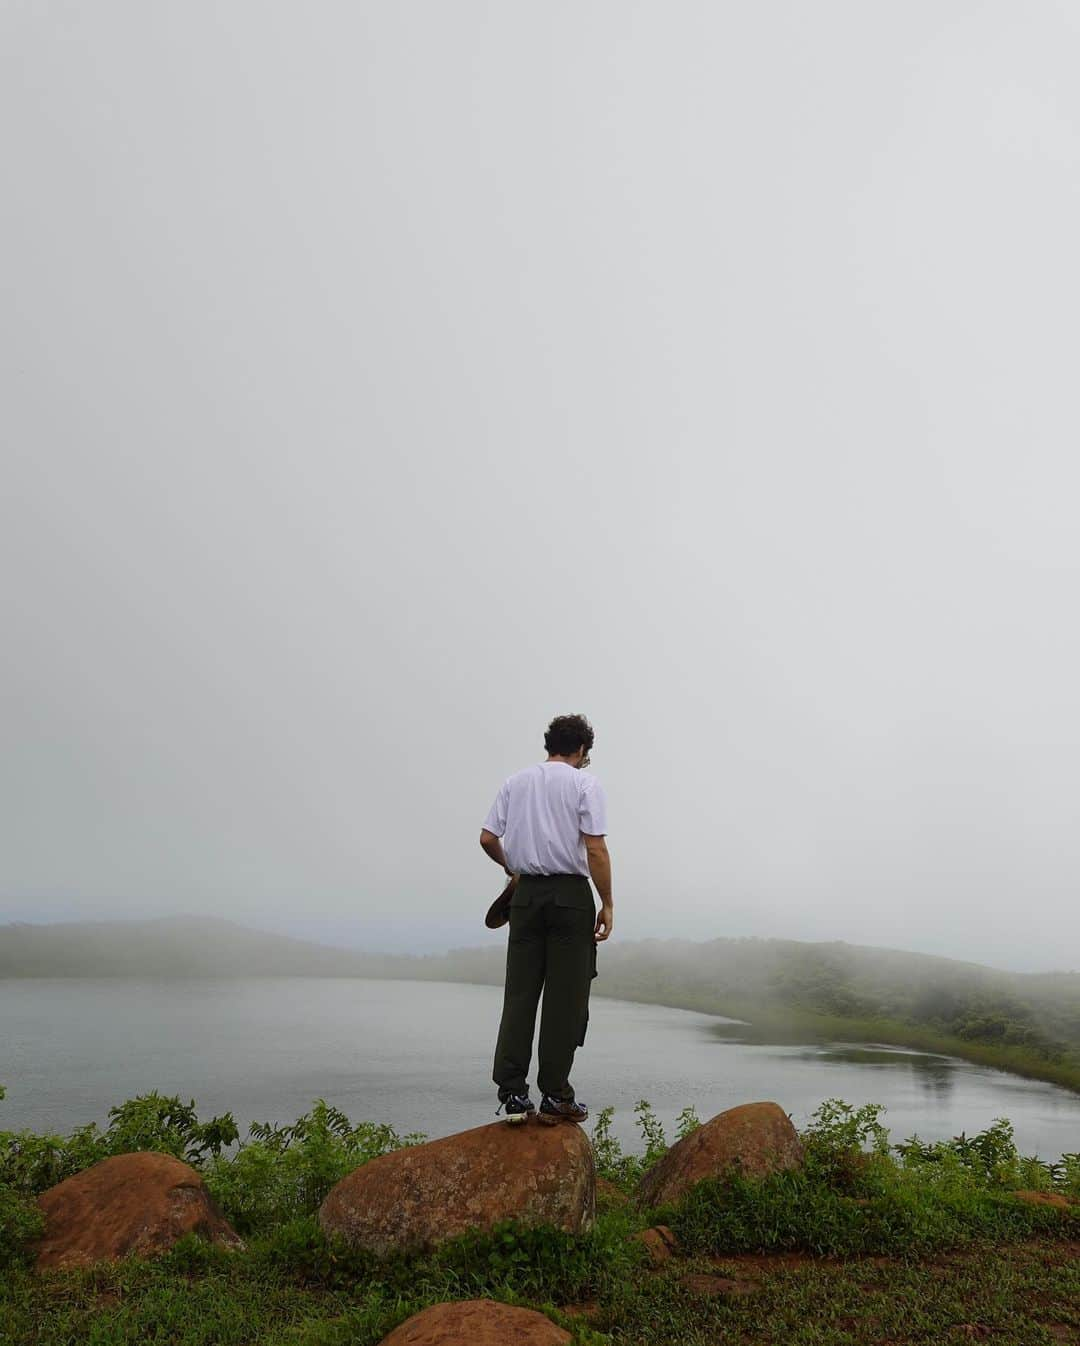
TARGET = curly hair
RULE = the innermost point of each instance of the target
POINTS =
(566, 733)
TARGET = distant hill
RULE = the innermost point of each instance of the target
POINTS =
(175, 946)
(1029, 1022)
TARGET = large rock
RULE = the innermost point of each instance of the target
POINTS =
(130, 1204)
(758, 1137)
(416, 1197)
(476, 1322)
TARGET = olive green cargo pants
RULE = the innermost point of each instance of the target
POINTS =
(551, 947)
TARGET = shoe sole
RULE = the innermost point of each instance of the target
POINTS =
(549, 1120)
(516, 1118)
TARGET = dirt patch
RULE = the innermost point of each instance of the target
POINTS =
(761, 1263)
(704, 1283)
(587, 1310)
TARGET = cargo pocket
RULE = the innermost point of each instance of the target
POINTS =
(585, 1020)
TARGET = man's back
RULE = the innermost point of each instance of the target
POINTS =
(540, 814)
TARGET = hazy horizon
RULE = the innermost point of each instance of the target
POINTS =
(383, 383)
(363, 937)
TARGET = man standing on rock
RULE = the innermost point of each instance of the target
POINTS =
(547, 828)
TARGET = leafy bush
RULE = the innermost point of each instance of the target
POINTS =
(285, 1172)
(30, 1163)
(993, 1161)
(847, 1147)
(21, 1221)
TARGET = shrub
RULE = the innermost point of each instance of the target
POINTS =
(21, 1221)
(30, 1163)
(285, 1172)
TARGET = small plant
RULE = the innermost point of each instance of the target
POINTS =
(686, 1122)
(607, 1151)
(625, 1169)
(652, 1133)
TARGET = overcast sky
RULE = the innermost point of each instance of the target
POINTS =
(381, 380)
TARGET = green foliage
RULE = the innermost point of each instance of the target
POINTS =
(651, 1132)
(1065, 1175)
(845, 1145)
(536, 1263)
(836, 1127)
(624, 1170)
(32, 1163)
(900, 1215)
(991, 1157)
(686, 1122)
(20, 1222)
(855, 1194)
(285, 1172)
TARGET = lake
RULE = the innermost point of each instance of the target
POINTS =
(418, 1055)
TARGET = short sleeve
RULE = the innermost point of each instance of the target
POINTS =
(592, 808)
(496, 819)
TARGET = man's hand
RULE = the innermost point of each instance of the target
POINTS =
(596, 852)
(603, 922)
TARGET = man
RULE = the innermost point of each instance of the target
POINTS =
(547, 827)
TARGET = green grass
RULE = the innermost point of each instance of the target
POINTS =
(893, 1244)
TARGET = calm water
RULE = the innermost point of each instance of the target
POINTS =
(418, 1055)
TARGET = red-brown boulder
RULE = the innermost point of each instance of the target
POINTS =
(130, 1204)
(476, 1322)
(758, 1137)
(419, 1196)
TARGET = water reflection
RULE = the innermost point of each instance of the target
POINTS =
(936, 1075)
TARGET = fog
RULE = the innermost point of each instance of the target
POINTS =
(381, 381)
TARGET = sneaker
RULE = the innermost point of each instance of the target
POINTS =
(518, 1107)
(554, 1110)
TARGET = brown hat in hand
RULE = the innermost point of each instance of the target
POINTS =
(499, 911)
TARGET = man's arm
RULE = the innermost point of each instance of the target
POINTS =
(493, 846)
(596, 852)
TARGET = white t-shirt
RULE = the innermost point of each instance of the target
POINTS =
(541, 812)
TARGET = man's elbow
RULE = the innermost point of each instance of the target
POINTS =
(594, 845)
(487, 839)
